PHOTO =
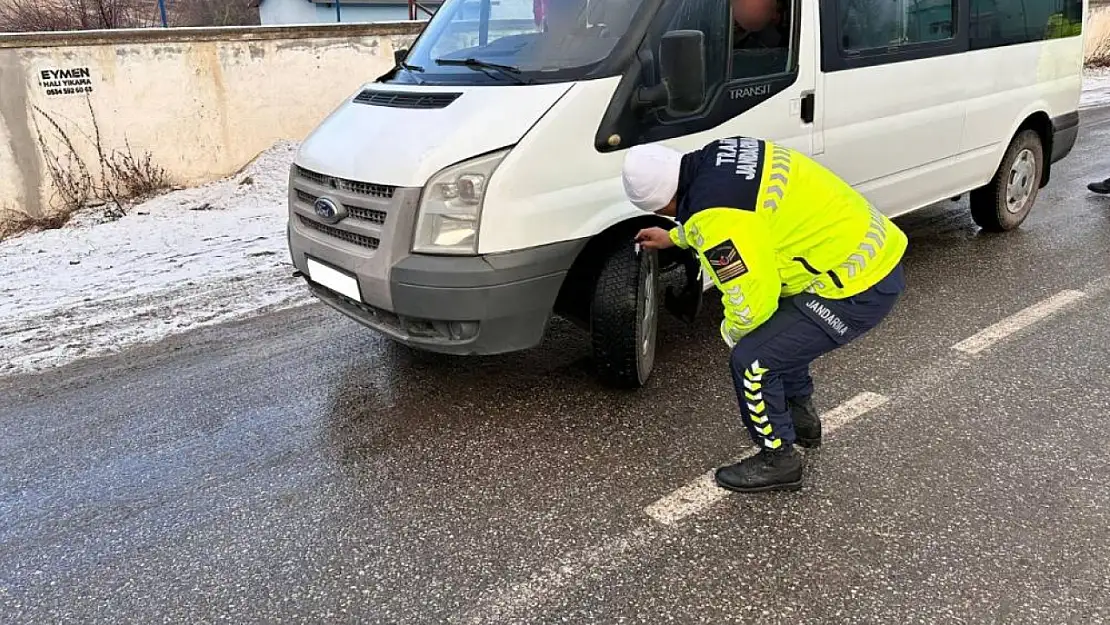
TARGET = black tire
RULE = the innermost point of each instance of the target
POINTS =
(991, 205)
(623, 334)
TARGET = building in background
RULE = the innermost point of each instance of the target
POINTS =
(322, 11)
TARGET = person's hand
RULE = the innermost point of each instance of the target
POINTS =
(654, 239)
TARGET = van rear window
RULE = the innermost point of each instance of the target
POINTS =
(869, 24)
(1006, 22)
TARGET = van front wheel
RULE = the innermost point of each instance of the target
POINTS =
(624, 317)
(1005, 202)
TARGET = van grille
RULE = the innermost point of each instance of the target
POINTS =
(399, 99)
(350, 237)
(357, 212)
(351, 186)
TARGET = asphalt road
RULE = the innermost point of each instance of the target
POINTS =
(296, 468)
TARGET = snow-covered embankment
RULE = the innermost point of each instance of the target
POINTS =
(189, 258)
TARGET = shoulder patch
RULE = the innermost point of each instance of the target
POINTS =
(725, 261)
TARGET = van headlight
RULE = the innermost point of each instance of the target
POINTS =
(451, 206)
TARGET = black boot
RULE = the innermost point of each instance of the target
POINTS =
(1102, 187)
(770, 469)
(807, 425)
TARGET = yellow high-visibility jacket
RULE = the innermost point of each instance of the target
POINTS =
(768, 222)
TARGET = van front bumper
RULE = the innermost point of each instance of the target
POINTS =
(464, 305)
(479, 305)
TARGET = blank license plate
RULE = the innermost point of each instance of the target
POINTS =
(338, 281)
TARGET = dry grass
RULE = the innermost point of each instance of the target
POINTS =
(124, 178)
(16, 222)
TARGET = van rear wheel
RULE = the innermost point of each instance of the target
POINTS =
(1005, 202)
(624, 316)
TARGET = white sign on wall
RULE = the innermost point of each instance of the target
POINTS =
(66, 81)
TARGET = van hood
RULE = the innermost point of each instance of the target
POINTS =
(402, 145)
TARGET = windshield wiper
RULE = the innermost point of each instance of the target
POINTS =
(480, 65)
(411, 68)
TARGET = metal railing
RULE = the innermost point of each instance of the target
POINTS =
(416, 8)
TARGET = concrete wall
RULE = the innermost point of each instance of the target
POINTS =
(202, 102)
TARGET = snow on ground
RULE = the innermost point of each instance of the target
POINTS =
(189, 258)
(1096, 88)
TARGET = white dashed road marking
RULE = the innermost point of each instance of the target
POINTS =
(1018, 321)
(572, 569)
(703, 492)
(690, 499)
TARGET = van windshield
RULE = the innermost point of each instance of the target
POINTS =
(517, 41)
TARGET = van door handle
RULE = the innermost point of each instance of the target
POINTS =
(808, 102)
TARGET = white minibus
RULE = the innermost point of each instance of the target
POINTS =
(460, 201)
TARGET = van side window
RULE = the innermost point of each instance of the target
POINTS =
(870, 24)
(760, 38)
(997, 23)
(750, 57)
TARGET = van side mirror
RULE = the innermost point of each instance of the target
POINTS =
(399, 56)
(682, 68)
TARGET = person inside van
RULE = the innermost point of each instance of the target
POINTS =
(562, 16)
(758, 24)
(760, 39)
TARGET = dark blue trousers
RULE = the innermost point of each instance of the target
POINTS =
(772, 363)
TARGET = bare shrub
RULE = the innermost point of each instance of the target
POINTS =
(1100, 55)
(54, 15)
(16, 222)
(124, 176)
(133, 176)
(215, 13)
(1096, 35)
(72, 182)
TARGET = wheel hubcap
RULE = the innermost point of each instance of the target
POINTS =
(1020, 185)
(649, 312)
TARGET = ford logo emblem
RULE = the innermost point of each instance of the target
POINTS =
(329, 210)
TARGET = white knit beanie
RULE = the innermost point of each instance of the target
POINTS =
(651, 175)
